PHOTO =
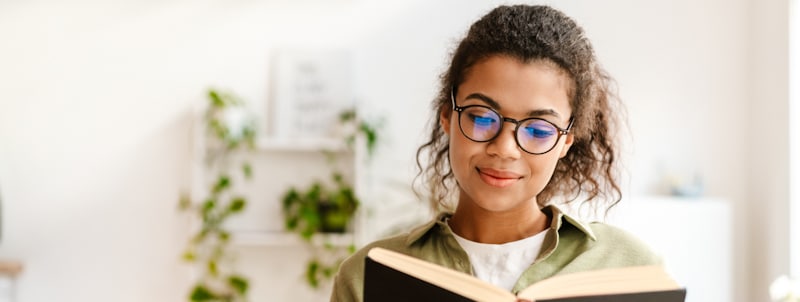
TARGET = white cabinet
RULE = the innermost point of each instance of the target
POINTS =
(693, 235)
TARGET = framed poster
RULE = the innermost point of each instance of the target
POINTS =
(309, 90)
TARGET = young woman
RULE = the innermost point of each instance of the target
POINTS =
(523, 121)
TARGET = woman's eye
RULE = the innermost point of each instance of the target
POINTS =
(482, 120)
(539, 132)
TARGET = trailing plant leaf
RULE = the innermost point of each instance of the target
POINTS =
(216, 100)
(189, 256)
(201, 293)
(370, 135)
(212, 268)
(239, 283)
(207, 248)
(237, 205)
(247, 170)
(185, 203)
(218, 129)
(208, 208)
(223, 182)
(347, 115)
(328, 272)
(311, 273)
(224, 236)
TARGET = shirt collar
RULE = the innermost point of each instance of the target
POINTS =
(558, 219)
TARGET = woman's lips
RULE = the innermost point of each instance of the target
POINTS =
(498, 178)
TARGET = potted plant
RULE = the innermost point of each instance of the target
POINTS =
(328, 207)
(321, 208)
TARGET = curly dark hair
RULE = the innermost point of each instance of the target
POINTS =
(529, 34)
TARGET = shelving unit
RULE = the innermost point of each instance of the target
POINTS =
(267, 144)
(285, 239)
(277, 165)
(259, 240)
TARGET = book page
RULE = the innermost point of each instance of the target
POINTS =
(602, 282)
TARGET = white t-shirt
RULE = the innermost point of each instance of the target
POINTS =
(502, 264)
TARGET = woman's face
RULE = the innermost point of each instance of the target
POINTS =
(497, 175)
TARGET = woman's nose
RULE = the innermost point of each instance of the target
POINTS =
(505, 144)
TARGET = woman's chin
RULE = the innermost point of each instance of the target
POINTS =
(500, 206)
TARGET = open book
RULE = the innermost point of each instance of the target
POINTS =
(391, 276)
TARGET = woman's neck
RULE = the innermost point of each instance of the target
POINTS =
(479, 225)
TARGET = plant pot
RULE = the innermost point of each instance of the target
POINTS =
(333, 218)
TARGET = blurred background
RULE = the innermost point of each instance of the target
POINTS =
(100, 103)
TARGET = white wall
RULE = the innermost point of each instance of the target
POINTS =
(94, 117)
(768, 198)
(794, 160)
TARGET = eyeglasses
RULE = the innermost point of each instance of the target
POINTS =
(533, 135)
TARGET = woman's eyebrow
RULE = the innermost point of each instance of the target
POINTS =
(489, 101)
(542, 112)
(496, 106)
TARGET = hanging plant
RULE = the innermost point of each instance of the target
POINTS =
(228, 130)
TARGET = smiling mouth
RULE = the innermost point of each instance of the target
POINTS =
(497, 178)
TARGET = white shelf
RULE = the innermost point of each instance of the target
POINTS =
(285, 239)
(300, 145)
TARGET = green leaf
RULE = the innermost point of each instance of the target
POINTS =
(224, 236)
(337, 178)
(249, 136)
(223, 182)
(307, 233)
(233, 143)
(290, 198)
(371, 136)
(216, 99)
(189, 256)
(237, 205)
(209, 205)
(291, 223)
(247, 170)
(239, 283)
(212, 268)
(218, 128)
(311, 273)
(199, 237)
(347, 115)
(328, 272)
(201, 293)
(184, 203)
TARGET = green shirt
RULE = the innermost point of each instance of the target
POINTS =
(569, 246)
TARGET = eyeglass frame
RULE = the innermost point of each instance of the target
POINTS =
(517, 123)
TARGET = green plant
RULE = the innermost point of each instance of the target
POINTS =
(328, 207)
(226, 133)
(320, 208)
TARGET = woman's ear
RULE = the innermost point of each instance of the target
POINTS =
(567, 144)
(444, 119)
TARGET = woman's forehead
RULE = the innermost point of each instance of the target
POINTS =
(514, 85)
